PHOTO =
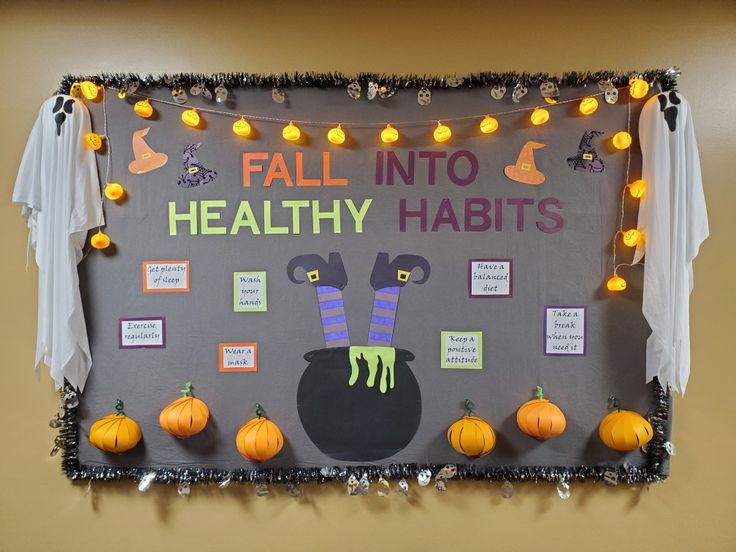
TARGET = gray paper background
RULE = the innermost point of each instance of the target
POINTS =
(566, 268)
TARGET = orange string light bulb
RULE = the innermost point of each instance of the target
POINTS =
(336, 135)
(638, 188)
(389, 135)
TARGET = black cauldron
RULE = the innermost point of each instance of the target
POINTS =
(358, 422)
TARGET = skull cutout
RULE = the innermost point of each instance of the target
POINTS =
(424, 477)
(454, 82)
(207, 93)
(179, 95)
(611, 95)
(386, 92)
(549, 89)
(424, 96)
(498, 92)
(354, 90)
(221, 93)
(372, 91)
(75, 90)
(196, 88)
(519, 92)
(278, 95)
(610, 91)
(132, 87)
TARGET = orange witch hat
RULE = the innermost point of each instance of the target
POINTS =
(525, 170)
(146, 159)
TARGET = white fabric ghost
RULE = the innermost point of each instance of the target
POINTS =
(59, 190)
(674, 221)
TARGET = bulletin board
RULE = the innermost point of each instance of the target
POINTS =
(360, 292)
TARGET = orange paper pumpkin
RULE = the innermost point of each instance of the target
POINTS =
(540, 418)
(625, 430)
(116, 432)
(185, 416)
(259, 439)
(471, 435)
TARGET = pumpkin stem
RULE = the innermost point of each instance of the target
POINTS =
(468, 407)
(613, 402)
(119, 407)
(540, 393)
(187, 391)
(259, 411)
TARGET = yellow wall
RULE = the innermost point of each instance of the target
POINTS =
(694, 510)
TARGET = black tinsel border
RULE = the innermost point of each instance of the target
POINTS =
(655, 469)
(666, 78)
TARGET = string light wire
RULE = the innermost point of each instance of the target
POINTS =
(620, 230)
(309, 123)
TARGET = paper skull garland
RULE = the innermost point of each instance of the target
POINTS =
(372, 91)
(454, 82)
(207, 94)
(498, 92)
(196, 89)
(385, 92)
(278, 95)
(519, 92)
(424, 478)
(354, 90)
(146, 160)
(587, 158)
(549, 89)
(75, 89)
(525, 170)
(221, 93)
(179, 95)
(195, 174)
(132, 87)
(610, 92)
(424, 96)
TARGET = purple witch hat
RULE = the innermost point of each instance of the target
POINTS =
(587, 157)
(195, 174)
